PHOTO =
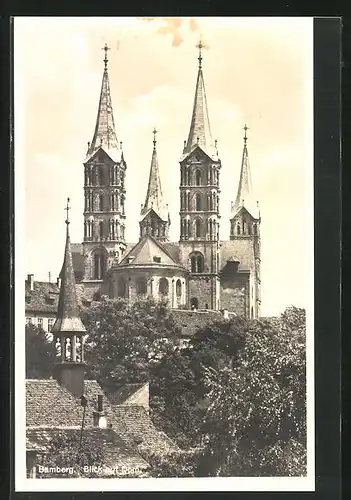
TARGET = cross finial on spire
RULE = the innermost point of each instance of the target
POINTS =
(106, 48)
(200, 46)
(245, 136)
(67, 210)
(154, 141)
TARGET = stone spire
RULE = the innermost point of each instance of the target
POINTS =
(68, 318)
(68, 329)
(245, 195)
(154, 197)
(105, 134)
(200, 130)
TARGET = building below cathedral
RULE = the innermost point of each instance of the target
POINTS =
(81, 411)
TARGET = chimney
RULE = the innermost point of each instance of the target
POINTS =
(98, 415)
(30, 281)
(58, 281)
(225, 313)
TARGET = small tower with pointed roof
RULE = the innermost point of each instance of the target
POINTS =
(154, 214)
(68, 329)
(245, 228)
(104, 192)
(199, 203)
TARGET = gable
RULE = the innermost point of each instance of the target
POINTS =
(199, 154)
(151, 215)
(145, 252)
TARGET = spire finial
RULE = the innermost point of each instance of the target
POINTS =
(200, 46)
(154, 141)
(106, 48)
(245, 136)
(67, 210)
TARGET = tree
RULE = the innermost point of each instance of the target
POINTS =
(67, 457)
(125, 341)
(256, 420)
(40, 353)
(179, 394)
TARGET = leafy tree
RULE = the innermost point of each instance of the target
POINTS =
(66, 452)
(40, 353)
(256, 420)
(180, 463)
(124, 341)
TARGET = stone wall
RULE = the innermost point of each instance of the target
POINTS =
(235, 294)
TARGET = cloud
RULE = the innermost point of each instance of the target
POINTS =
(174, 25)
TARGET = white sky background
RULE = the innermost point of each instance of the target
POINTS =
(256, 70)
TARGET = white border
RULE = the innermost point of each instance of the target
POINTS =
(152, 484)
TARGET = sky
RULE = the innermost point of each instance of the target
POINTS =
(257, 71)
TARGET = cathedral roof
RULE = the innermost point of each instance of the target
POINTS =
(154, 198)
(245, 196)
(68, 318)
(200, 129)
(149, 252)
(105, 137)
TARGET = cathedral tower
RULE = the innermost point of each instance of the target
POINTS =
(104, 193)
(245, 229)
(154, 215)
(199, 204)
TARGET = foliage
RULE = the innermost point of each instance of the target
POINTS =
(125, 341)
(66, 452)
(176, 463)
(40, 353)
(256, 420)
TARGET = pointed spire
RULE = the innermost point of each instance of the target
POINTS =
(105, 133)
(68, 318)
(244, 195)
(200, 130)
(154, 198)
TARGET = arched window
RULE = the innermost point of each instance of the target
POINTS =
(238, 229)
(197, 228)
(198, 178)
(101, 203)
(194, 303)
(163, 286)
(121, 288)
(255, 228)
(198, 202)
(178, 288)
(197, 262)
(249, 228)
(101, 229)
(99, 265)
(141, 286)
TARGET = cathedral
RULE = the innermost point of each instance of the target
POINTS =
(197, 272)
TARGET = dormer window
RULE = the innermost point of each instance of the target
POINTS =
(28, 299)
(130, 259)
(157, 259)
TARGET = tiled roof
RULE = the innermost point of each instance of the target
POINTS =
(190, 322)
(173, 249)
(144, 252)
(117, 454)
(44, 297)
(119, 396)
(48, 404)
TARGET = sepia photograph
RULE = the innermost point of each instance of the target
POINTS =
(164, 333)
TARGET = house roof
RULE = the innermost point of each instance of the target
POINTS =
(237, 250)
(117, 454)
(50, 405)
(145, 251)
(119, 396)
(44, 297)
(190, 322)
